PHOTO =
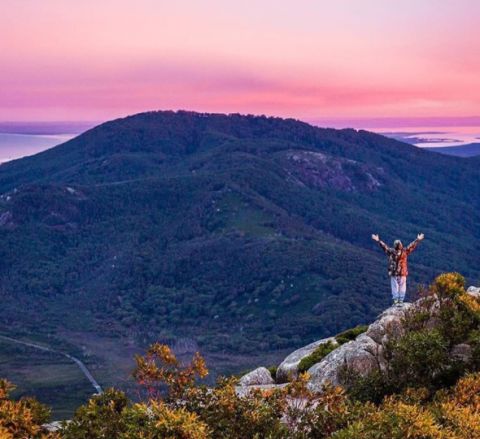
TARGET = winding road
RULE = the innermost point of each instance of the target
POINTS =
(78, 362)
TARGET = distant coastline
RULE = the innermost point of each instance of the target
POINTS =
(426, 137)
(14, 146)
(21, 139)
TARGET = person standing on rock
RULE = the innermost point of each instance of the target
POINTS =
(397, 265)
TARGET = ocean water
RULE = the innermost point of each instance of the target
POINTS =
(433, 136)
(14, 146)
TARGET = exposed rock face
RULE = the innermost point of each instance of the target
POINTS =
(53, 426)
(475, 292)
(259, 376)
(316, 169)
(362, 355)
(461, 352)
(288, 369)
(389, 322)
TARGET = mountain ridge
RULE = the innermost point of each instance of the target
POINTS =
(242, 233)
(470, 150)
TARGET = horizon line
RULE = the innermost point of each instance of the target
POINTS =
(78, 125)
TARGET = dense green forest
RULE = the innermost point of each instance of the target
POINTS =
(242, 234)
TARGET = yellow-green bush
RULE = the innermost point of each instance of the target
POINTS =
(23, 418)
(423, 393)
(226, 413)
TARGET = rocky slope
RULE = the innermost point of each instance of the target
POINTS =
(362, 356)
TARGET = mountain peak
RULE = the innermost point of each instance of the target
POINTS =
(240, 233)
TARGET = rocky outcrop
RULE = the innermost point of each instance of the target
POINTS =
(462, 352)
(259, 376)
(317, 169)
(475, 292)
(288, 369)
(54, 426)
(388, 323)
(362, 355)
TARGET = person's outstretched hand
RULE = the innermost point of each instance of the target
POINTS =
(420, 236)
(377, 238)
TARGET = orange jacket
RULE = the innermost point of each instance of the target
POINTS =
(397, 259)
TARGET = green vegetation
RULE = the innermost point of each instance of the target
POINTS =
(350, 334)
(316, 356)
(240, 233)
(420, 403)
(273, 371)
(324, 349)
(422, 357)
(53, 379)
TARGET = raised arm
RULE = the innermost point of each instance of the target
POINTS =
(382, 245)
(413, 245)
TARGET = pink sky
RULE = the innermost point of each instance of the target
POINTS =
(309, 59)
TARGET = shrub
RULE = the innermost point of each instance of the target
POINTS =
(22, 418)
(372, 387)
(316, 356)
(459, 410)
(418, 359)
(160, 367)
(418, 318)
(448, 285)
(157, 420)
(101, 417)
(410, 399)
(474, 342)
(470, 305)
(455, 320)
(459, 313)
(273, 371)
(257, 415)
(111, 415)
(395, 419)
(324, 414)
(350, 334)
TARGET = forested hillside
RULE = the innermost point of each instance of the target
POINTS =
(236, 233)
(470, 150)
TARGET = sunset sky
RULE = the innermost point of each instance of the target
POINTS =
(309, 59)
